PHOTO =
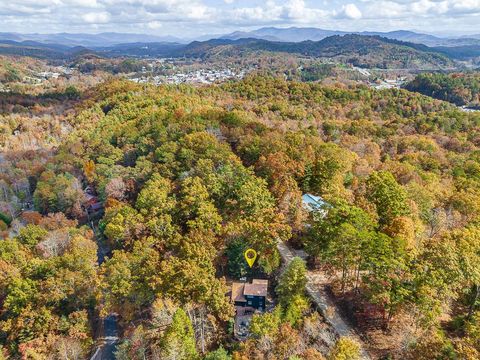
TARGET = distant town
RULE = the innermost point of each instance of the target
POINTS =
(201, 76)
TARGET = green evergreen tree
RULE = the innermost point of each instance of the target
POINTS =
(388, 196)
(237, 266)
(219, 354)
(292, 282)
(179, 340)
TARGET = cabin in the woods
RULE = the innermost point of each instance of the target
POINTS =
(248, 298)
(252, 295)
(92, 205)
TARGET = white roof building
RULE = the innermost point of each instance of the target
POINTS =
(315, 204)
(312, 202)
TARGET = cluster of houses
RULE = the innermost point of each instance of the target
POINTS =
(202, 76)
(37, 78)
(45, 75)
(395, 83)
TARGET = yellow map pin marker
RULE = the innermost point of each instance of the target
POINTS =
(250, 256)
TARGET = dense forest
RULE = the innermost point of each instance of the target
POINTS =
(360, 50)
(365, 51)
(458, 88)
(14, 69)
(189, 177)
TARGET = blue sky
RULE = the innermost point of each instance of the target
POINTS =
(191, 18)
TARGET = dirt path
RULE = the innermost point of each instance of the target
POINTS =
(322, 300)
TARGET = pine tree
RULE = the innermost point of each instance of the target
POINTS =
(179, 341)
(292, 282)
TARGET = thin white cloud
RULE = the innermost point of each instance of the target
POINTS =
(96, 18)
(81, 3)
(350, 11)
(154, 25)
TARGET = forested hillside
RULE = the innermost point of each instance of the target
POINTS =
(458, 88)
(359, 50)
(365, 51)
(189, 177)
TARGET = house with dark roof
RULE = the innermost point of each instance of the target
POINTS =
(250, 295)
(92, 204)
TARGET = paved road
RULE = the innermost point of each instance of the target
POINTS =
(107, 330)
(323, 301)
(106, 351)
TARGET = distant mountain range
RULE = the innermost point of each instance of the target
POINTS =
(40, 50)
(292, 34)
(89, 40)
(359, 50)
(365, 49)
(295, 34)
